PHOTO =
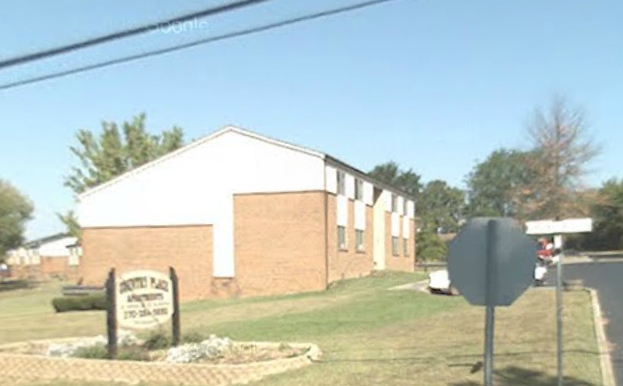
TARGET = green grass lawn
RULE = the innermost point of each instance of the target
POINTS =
(368, 335)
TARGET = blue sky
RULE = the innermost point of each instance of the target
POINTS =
(433, 85)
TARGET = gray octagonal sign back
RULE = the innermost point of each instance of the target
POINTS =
(491, 261)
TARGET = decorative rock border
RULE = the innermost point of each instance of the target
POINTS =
(34, 367)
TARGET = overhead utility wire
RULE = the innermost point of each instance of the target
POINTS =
(213, 39)
(23, 59)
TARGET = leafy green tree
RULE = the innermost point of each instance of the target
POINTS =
(115, 151)
(441, 207)
(430, 247)
(497, 186)
(392, 174)
(438, 204)
(15, 210)
(607, 214)
(71, 223)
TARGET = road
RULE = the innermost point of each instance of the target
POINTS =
(606, 276)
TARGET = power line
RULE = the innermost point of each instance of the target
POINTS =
(213, 39)
(125, 33)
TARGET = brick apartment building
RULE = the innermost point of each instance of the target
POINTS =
(239, 214)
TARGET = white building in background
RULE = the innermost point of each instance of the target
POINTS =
(53, 256)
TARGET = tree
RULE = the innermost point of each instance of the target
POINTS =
(390, 173)
(607, 214)
(431, 247)
(113, 153)
(15, 210)
(71, 223)
(438, 204)
(441, 207)
(496, 186)
(562, 152)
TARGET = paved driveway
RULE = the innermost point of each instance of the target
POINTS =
(607, 278)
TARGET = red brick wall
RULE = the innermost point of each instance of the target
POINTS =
(52, 266)
(284, 243)
(349, 263)
(19, 271)
(280, 243)
(187, 248)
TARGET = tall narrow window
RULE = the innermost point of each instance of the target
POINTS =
(341, 184)
(405, 247)
(358, 190)
(405, 211)
(341, 237)
(359, 238)
(394, 203)
(395, 246)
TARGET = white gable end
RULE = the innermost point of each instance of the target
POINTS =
(185, 189)
(196, 185)
(57, 248)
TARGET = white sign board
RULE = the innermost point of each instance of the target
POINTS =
(144, 299)
(549, 227)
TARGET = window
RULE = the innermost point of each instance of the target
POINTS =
(341, 184)
(74, 256)
(359, 238)
(405, 247)
(359, 190)
(341, 237)
(395, 246)
(394, 203)
(405, 211)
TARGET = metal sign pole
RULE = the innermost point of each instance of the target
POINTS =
(559, 315)
(489, 331)
(492, 236)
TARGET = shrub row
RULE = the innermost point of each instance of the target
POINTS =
(138, 352)
(80, 303)
(128, 353)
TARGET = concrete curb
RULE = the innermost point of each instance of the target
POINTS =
(607, 372)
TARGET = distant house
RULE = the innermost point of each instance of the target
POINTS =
(240, 214)
(45, 258)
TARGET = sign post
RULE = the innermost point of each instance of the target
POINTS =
(491, 262)
(141, 300)
(489, 333)
(175, 323)
(559, 321)
(111, 315)
(558, 228)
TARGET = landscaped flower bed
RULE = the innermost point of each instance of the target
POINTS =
(211, 361)
(213, 350)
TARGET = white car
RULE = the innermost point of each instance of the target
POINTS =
(439, 282)
(540, 273)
